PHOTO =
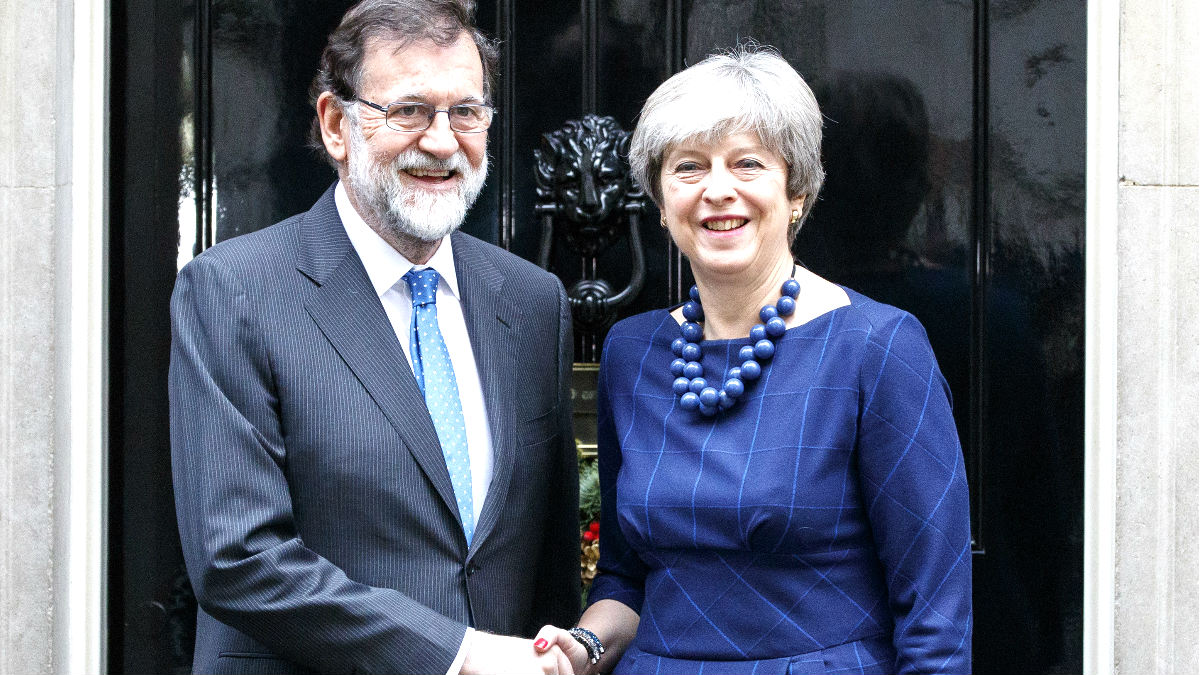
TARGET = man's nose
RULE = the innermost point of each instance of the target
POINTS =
(439, 139)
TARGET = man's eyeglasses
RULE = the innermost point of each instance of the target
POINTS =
(410, 116)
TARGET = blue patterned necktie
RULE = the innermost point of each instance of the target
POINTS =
(435, 376)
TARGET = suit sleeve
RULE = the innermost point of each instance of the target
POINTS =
(915, 490)
(248, 566)
(557, 596)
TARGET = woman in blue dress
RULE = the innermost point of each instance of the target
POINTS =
(783, 486)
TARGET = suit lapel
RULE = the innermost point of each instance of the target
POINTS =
(490, 316)
(349, 313)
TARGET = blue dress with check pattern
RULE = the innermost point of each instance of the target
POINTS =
(819, 526)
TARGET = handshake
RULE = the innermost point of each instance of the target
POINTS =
(556, 651)
(553, 652)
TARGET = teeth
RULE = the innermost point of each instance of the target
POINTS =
(723, 225)
(423, 173)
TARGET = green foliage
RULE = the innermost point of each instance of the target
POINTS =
(589, 493)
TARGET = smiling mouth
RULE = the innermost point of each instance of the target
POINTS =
(431, 176)
(724, 225)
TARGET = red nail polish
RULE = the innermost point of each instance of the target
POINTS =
(540, 644)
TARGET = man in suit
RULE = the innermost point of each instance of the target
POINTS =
(370, 423)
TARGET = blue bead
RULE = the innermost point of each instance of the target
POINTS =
(751, 370)
(707, 411)
(746, 353)
(764, 349)
(734, 373)
(680, 387)
(691, 331)
(692, 369)
(734, 387)
(759, 332)
(776, 327)
(677, 346)
(697, 385)
(677, 367)
(725, 402)
(694, 293)
(767, 313)
(709, 396)
(689, 401)
(785, 305)
(692, 311)
(690, 351)
(791, 287)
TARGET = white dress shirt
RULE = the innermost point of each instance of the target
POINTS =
(386, 268)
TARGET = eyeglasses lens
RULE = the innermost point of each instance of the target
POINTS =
(466, 118)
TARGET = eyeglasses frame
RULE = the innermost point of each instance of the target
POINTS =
(384, 109)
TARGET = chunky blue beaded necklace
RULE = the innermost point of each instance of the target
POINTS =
(693, 390)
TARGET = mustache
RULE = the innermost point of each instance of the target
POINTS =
(418, 160)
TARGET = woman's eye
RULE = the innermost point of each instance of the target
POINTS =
(686, 167)
(749, 163)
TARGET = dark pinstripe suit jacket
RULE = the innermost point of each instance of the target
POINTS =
(315, 510)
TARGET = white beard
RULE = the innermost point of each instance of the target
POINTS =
(401, 209)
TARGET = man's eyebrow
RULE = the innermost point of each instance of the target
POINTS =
(409, 98)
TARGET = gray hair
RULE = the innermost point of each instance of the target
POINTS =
(401, 22)
(748, 89)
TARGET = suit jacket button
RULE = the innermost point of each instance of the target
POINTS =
(472, 569)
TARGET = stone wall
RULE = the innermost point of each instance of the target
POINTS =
(29, 209)
(1157, 448)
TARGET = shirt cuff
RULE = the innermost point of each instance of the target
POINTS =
(456, 665)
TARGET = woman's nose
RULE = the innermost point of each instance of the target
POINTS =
(718, 188)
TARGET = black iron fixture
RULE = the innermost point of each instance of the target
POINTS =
(585, 188)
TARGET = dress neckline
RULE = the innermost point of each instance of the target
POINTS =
(673, 326)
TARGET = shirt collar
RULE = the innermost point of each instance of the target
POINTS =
(385, 265)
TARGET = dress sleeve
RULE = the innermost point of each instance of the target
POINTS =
(620, 573)
(915, 490)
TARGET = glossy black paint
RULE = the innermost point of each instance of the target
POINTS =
(954, 146)
(143, 552)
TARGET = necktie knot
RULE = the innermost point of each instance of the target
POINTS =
(422, 285)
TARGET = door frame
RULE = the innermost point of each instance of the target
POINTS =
(1100, 335)
(81, 474)
(81, 482)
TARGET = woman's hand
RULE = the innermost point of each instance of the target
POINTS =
(555, 638)
(489, 654)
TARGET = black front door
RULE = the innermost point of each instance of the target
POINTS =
(955, 153)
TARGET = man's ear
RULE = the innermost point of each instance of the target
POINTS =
(335, 127)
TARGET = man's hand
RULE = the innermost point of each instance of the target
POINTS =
(489, 654)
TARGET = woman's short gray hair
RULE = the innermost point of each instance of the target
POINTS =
(748, 89)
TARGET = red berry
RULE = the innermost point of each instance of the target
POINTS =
(594, 527)
(589, 536)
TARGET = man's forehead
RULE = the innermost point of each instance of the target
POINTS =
(399, 47)
(399, 63)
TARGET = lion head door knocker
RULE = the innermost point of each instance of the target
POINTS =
(585, 189)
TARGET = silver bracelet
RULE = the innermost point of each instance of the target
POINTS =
(593, 645)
